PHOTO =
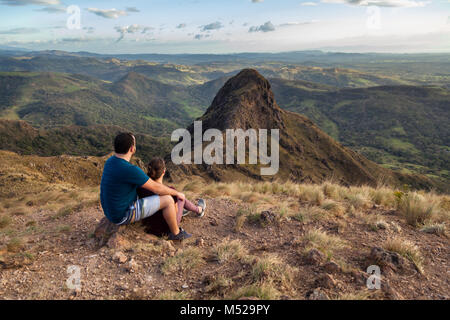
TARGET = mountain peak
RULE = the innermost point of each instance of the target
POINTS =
(245, 101)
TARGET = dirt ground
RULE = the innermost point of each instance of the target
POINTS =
(132, 266)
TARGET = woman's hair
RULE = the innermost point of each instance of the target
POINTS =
(155, 168)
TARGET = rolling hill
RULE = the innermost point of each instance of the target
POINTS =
(402, 127)
(134, 102)
(307, 154)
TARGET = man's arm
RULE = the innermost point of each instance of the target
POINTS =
(162, 190)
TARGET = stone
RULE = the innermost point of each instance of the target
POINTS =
(267, 217)
(317, 294)
(332, 267)
(386, 260)
(200, 242)
(104, 230)
(117, 241)
(120, 257)
(167, 246)
(314, 257)
(131, 266)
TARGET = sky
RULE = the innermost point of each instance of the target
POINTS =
(226, 26)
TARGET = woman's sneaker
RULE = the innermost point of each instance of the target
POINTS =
(182, 235)
(202, 203)
(185, 212)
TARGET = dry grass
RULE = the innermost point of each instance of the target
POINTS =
(4, 221)
(15, 245)
(359, 295)
(264, 291)
(434, 228)
(230, 251)
(270, 268)
(219, 284)
(334, 207)
(185, 260)
(416, 209)
(316, 238)
(312, 194)
(406, 249)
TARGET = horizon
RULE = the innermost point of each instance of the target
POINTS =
(238, 26)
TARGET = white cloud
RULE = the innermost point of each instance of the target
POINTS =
(266, 27)
(108, 13)
(309, 4)
(212, 26)
(382, 3)
(134, 28)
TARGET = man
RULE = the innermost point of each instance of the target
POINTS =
(118, 195)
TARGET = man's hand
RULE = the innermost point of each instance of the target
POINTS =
(181, 196)
(161, 189)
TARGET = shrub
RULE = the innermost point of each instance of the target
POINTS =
(415, 208)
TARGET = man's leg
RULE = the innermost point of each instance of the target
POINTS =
(167, 205)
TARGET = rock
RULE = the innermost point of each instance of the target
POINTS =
(267, 217)
(314, 257)
(167, 246)
(185, 286)
(213, 222)
(325, 281)
(317, 294)
(200, 242)
(386, 260)
(131, 266)
(117, 241)
(332, 267)
(104, 230)
(120, 257)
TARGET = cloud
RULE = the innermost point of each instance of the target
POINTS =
(20, 31)
(309, 4)
(257, 1)
(132, 9)
(266, 27)
(181, 26)
(55, 9)
(108, 13)
(381, 3)
(134, 28)
(29, 2)
(212, 26)
(201, 36)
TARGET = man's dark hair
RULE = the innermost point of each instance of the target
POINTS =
(123, 142)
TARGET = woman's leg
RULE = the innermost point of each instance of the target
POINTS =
(191, 207)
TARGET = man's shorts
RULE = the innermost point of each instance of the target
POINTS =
(141, 209)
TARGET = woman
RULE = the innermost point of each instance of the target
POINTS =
(156, 169)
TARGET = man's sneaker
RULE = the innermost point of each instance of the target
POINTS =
(185, 212)
(202, 203)
(180, 236)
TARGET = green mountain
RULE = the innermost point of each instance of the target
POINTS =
(133, 102)
(22, 138)
(401, 127)
(306, 153)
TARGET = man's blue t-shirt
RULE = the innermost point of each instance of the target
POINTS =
(120, 180)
